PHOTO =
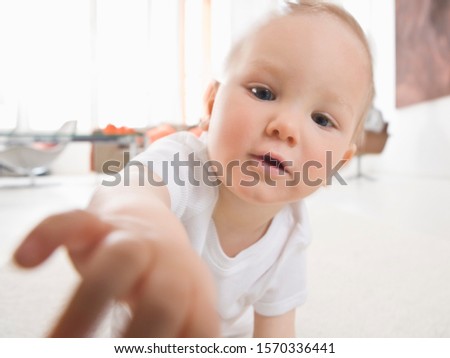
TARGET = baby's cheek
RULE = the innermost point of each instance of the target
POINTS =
(314, 169)
(313, 174)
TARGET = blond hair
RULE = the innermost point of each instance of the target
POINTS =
(319, 7)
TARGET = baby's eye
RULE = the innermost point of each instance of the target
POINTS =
(322, 120)
(263, 94)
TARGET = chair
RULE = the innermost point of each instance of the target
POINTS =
(22, 156)
(372, 143)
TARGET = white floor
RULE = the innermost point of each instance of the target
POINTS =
(379, 262)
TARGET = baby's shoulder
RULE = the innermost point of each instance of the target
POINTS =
(186, 137)
(181, 142)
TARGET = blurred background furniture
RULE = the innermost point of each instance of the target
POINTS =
(372, 143)
(374, 139)
(23, 155)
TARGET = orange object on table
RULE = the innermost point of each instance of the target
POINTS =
(111, 129)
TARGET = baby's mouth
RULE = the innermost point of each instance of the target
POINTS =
(270, 161)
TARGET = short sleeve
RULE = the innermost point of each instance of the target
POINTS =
(287, 289)
(175, 159)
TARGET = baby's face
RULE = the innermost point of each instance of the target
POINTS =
(296, 90)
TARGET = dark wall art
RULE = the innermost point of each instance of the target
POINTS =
(422, 50)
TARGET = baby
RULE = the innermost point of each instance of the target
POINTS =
(207, 236)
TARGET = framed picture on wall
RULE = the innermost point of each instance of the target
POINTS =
(422, 50)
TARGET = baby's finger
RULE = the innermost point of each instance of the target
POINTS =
(78, 230)
(176, 303)
(203, 321)
(162, 308)
(114, 273)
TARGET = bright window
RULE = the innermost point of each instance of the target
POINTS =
(44, 62)
(134, 63)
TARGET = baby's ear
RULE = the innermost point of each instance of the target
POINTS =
(209, 97)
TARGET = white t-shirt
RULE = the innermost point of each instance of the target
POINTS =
(268, 277)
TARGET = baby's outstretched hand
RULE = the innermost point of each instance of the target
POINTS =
(167, 286)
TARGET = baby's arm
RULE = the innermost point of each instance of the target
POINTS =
(282, 326)
(128, 245)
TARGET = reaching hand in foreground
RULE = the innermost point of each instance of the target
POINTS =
(165, 283)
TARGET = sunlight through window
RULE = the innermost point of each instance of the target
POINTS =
(128, 63)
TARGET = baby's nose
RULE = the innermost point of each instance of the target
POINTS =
(283, 129)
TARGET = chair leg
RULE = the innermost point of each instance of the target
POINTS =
(359, 172)
(32, 177)
(358, 163)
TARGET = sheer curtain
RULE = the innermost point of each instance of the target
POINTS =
(130, 63)
(44, 62)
